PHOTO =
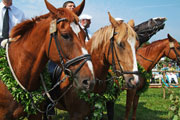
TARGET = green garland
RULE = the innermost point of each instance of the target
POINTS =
(98, 102)
(147, 76)
(17, 92)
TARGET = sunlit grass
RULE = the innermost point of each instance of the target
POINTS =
(151, 106)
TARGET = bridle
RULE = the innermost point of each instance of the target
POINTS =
(114, 54)
(65, 66)
(172, 47)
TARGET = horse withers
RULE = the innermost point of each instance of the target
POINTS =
(39, 40)
(111, 45)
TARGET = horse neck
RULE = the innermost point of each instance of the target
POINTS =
(28, 58)
(148, 56)
(99, 61)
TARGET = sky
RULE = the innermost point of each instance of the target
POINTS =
(139, 10)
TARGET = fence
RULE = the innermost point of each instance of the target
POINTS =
(162, 82)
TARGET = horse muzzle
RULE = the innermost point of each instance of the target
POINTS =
(132, 81)
(86, 84)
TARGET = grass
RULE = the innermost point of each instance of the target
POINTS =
(151, 106)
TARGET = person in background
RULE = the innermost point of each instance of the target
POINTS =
(171, 75)
(69, 5)
(9, 17)
(85, 22)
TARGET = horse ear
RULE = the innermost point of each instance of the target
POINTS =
(131, 23)
(113, 21)
(50, 7)
(78, 10)
(171, 39)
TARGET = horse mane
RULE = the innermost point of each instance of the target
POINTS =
(149, 47)
(106, 33)
(103, 34)
(27, 25)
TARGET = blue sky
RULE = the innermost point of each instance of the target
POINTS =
(139, 10)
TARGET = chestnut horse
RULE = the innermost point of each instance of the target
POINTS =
(111, 45)
(32, 49)
(148, 56)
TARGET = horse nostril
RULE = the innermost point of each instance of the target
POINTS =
(131, 83)
(131, 79)
(85, 82)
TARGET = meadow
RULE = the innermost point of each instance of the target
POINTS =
(151, 106)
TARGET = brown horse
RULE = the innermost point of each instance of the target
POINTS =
(31, 50)
(111, 45)
(148, 56)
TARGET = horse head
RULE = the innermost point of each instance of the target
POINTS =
(66, 47)
(122, 53)
(173, 49)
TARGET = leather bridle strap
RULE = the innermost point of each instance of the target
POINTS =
(144, 57)
(113, 58)
(85, 57)
(66, 65)
(171, 45)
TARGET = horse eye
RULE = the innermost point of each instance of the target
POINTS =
(66, 36)
(122, 45)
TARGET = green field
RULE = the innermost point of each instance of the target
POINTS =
(152, 106)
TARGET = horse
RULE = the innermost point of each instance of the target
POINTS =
(34, 42)
(111, 45)
(148, 56)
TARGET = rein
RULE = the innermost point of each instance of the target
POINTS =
(113, 49)
(171, 45)
(15, 77)
(64, 66)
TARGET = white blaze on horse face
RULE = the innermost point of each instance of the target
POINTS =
(75, 28)
(132, 42)
(90, 65)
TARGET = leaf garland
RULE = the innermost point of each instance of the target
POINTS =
(147, 76)
(98, 102)
(17, 92)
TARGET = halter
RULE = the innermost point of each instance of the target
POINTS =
(172, 47)
(65, 66)
(112, 48)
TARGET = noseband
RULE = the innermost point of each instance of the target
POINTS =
(65, 66)
(113, 49)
